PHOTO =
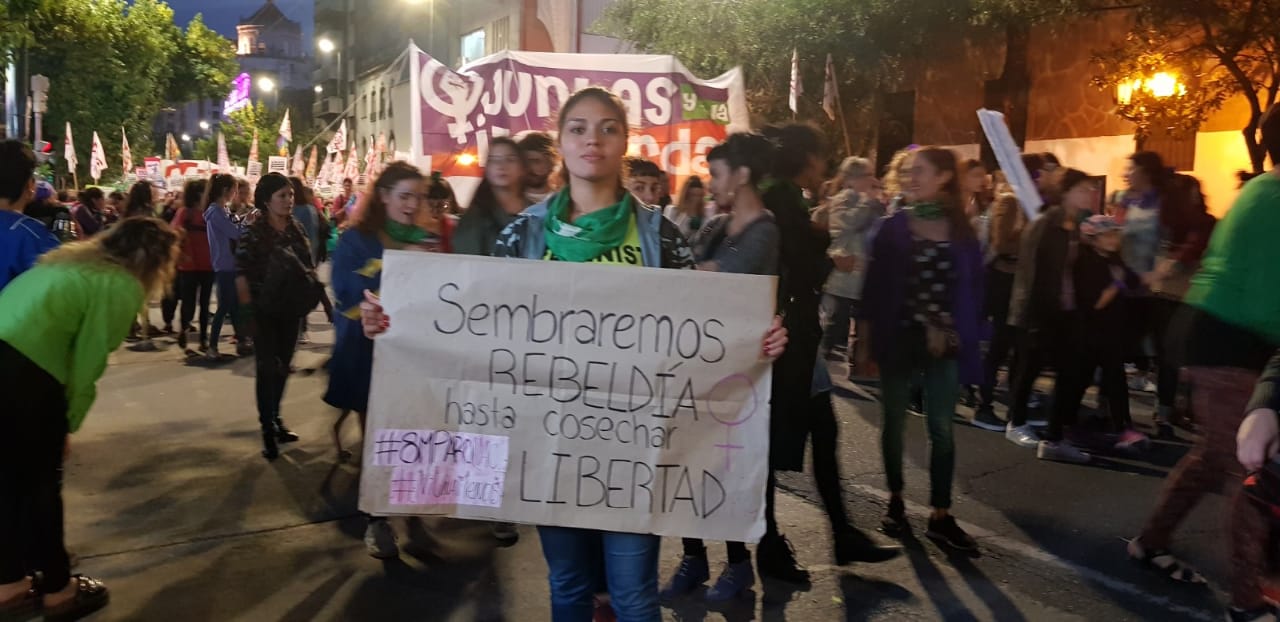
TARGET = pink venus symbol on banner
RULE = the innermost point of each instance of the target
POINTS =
(725, 387)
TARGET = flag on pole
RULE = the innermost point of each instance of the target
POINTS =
(339, 139)
(253, 147)
(339, 166)
(171, 151)
(796, 88)
(353, 164)
(69, 150)
(97, 159)
(326, 172)
(829, 90)
(311, 164)
(368, 159)
(286, 134)
(126, 154)
(299, 165)
(224, 159)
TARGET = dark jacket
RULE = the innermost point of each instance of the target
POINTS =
(1095, 273)
(803, 266)
(1037, 284)
(478, 230)
(887, 285)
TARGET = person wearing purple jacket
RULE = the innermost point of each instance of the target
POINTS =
(22, 238)
(923, 300)
(223, 236)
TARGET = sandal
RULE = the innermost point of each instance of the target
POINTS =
(1161, 560)
(20, 608)
(91, 595)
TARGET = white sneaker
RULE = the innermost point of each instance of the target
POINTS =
(1142, 383)
(1022, 436)
(1062, 451)
(380, 539)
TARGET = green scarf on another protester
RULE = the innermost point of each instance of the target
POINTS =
(929, 210)
(404, 234)
(591, 235)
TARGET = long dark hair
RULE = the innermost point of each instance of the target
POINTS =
(140, 202)
(484, 204)
(439, 188)
(605, 97)
(944, 160)
(795, 143)
(373, 211)
(740, 149)
(220, 185)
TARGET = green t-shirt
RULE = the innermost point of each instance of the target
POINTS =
(1239, 281)
(66, 318)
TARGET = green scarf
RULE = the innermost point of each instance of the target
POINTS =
(929, 210)
(404, 234)
(591, 235)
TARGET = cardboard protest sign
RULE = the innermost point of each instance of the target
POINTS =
(570, 394)
(1010, 159)
(278, 164)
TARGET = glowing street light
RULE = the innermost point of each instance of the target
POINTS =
(1161, 85)
(319, 89)
(204, 125)
(326, 45)
(466, 159)
(186, 138)
(266, 84)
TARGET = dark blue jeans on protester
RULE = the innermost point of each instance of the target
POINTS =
(228, 304)
(573, 567)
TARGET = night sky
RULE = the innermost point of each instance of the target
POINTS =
(223, 15)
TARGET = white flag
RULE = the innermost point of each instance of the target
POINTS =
(224, 159)
(353, 164)
(796, 88)
(338, 167)
(299, 163)
(97, 159)
(829, 93)
(339, 139)
(286, 134)
(69, 150)
(126, 154)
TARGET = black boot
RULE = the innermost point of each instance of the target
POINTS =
(852, 545)
(283, 434)
(775, 559)
(269, 449)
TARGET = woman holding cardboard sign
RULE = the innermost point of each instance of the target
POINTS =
(594, 220)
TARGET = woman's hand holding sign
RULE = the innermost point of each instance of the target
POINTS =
(374, 321)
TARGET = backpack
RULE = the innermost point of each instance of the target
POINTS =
(290, 288)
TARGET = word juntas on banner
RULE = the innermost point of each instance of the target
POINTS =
(565, 394)
(675, 117)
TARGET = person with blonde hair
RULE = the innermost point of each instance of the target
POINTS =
(850, 216)
(58, 323)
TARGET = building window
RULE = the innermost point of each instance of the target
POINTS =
(501, 34)
(472, 46)
(382, 103)
(364, 106)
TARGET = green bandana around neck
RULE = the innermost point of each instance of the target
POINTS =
(404, 234)
(591, 235)
(929, 210)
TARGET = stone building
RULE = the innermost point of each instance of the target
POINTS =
(1067, 115)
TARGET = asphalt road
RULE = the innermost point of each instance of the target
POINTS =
(170, 503)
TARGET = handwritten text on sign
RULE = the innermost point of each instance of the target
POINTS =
(571, 394)
(437, 466)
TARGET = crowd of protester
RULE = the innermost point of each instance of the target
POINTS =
(932, 282)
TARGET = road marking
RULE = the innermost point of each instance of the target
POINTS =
(1025, 550)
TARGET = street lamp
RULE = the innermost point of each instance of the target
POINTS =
(326, 45)
(319, 89)
(266, 84)
(186, 138)
(1161, 85)
(204, 125)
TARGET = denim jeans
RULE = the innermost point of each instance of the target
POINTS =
(630, 564)
(228, 305)
(941, 388)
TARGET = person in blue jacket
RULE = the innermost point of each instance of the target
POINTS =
(22, 238)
